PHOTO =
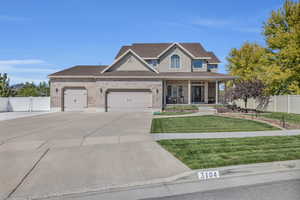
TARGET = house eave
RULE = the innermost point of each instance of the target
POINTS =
(150, 77)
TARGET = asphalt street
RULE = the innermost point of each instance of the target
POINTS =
(287, 190)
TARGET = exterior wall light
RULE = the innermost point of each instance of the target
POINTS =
(157, 91)
(56, 90)
(101, 90)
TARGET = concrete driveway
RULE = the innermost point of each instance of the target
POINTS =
(62, 153)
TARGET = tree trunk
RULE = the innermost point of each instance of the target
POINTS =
(246, 101)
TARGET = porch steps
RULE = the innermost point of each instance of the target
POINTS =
(210, 110)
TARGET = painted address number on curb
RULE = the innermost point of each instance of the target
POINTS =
(208, 175)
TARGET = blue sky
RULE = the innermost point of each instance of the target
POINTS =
(40, 37)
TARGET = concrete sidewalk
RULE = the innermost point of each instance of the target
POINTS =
(200, 113)
(231, 176)
(169, 136)
(16, 115)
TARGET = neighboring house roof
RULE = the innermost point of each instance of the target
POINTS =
(153, 50)
(94, 71)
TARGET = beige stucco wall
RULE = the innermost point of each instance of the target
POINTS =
(129, 63)
(96, 99)
(165, 61)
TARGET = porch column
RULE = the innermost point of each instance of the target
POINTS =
(206, 92)
(164, 93)
(217, 92)
(189, 92)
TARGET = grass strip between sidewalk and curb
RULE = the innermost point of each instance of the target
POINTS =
(210, 153)
(207, 123)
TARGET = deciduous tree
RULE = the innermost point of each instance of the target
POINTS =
(5, 90)
(282, 34)
(246, 89)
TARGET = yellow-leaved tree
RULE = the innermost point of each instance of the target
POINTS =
(282, 34)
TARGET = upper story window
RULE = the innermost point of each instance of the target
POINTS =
(197, 63)
(153, 63)
(212, 66)
(175, 61)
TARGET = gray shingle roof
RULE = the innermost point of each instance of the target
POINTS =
(151, 50)
(81, 70)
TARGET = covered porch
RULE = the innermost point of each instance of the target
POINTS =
(191, 91)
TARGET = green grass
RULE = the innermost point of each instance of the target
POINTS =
(289, 117)
(181, 107)
(208, 153)
(207, 123)
(173, 113)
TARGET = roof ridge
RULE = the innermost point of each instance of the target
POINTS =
(90, 65)
(165, 43)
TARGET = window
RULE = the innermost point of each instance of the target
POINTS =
(153, 63)
(212, 66)
(180, 93)
(169, 90)
(197, 63)
(174, 91)
(175, 61)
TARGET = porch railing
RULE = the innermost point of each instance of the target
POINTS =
(174, 100)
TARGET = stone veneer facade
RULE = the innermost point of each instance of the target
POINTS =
(97, 90)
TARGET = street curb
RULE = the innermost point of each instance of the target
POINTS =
(285, 166)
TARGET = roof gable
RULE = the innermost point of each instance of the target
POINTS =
(176, 45)
(123, 59)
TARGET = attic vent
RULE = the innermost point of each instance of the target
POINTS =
(129, 59)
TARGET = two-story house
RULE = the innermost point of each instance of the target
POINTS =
(143, 76)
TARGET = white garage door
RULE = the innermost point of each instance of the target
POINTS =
(129, 101)
(75, 99)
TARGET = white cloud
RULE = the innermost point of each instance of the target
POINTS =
(225, 24)
(212, 22)
(21, 62)
(248, 29)
(12, 18)
(11, 66)
(26, 70)
(17, 79)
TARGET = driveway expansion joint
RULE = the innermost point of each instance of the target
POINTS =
(27, 174)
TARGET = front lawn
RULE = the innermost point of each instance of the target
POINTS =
(207, 123)
(288, 117)
(208, 153)
(173, 113)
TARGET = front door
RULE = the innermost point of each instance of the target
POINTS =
(197, 94)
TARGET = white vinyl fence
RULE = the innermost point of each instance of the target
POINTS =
(24, 104)
(284, 103)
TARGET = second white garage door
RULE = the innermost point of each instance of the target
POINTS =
(129, 101)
